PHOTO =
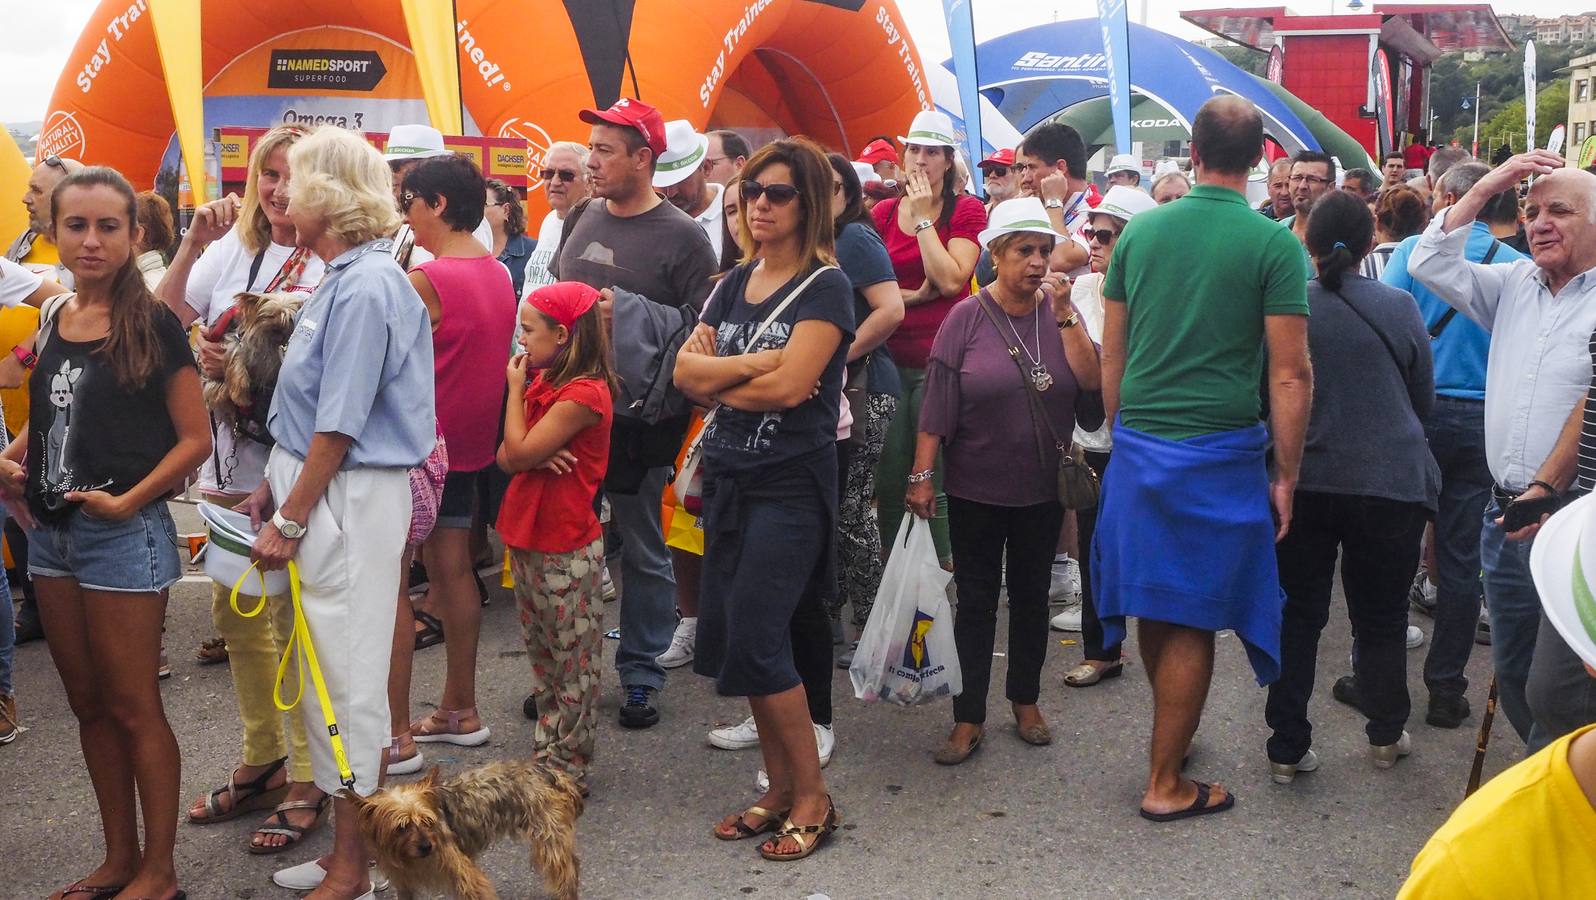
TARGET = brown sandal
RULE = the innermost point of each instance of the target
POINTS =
(242, 798)
(294, 833)
(769, 821)
(211, 652)
(807, 837)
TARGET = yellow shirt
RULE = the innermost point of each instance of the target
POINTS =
(42, 253)
(1530, 832)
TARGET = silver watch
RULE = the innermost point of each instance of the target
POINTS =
(290, 529)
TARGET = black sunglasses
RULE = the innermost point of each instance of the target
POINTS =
(1104, 236)
(55, 162)
(407, 198)
(562, 174)
(997, 171)
(779, 194)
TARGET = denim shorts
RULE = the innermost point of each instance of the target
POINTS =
(136, 555)
(462, 492)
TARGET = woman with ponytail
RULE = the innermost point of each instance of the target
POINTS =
(1366, 487)
(116, 423)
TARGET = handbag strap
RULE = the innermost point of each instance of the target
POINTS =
(1397, 360)
(1450, 314)
(1038, 411)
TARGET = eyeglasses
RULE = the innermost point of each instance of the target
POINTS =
(714, 160)
(562, 174)
(55, 162)
(997, 171)
(836, 187)
(1309, 179)
(407, 198)
(1104, 236)
(778, 194)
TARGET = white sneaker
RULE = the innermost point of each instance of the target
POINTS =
(1415, 637)
(607, 585)
(1283, 773)
(680, 652)
(307, 876)
(1068, 620)
(1387, 756)
(1066, 584)
(825, 742)
(736, 737)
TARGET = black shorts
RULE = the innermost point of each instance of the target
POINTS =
(461, 493)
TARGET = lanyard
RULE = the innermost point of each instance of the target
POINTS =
(300, 640)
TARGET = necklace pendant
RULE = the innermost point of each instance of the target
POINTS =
(1041, 378)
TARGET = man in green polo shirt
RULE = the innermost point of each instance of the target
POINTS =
(1200, 295)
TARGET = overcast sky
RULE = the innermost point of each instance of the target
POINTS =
(40, 33)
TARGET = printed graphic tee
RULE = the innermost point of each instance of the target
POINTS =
(86, 431)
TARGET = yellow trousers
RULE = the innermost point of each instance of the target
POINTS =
(254, 647)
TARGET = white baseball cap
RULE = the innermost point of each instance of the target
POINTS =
(1020, 214)
(1563, 563)
(866, 172)
(685, 150)
(1123, 202)
(406, 142)
(1124, 162)
(930, 128)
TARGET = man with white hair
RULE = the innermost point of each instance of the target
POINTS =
(1541, 314)
(682, 177)
(564, 185)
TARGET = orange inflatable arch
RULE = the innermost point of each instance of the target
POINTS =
(841, 71)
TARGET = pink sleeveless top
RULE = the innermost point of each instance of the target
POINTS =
(470, 350)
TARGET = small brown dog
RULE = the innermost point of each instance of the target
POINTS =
(255, 331)
(427, 835)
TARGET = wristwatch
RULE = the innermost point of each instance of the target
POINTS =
(923, 224)
(1054, 203)
(25, 356)
(1070, 321)
(290, 529)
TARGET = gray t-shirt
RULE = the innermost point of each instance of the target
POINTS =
(661, 254)
(1373, 387)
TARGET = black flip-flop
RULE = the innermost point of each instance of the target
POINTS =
(94, 891)
(431, 632)
(1198, 807)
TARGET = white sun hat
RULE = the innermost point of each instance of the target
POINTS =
(930, 128)
(1563, 563)
(1124, 162)
(685, 150)
(406, 142)
(1020, 214)
(1123, 202)
(865, 172)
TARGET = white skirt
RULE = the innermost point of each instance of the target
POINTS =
(348, 565)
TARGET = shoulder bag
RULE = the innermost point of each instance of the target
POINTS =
(689, 481)
(1078, 485)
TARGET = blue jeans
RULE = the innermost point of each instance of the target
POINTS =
(1456, 434)
(1515, 610)
(8, 624)
(648, 583)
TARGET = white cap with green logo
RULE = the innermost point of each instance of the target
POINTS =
(1563, 562)
(1020, 214)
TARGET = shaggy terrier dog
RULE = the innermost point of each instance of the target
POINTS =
(255, 332)
(427, 835)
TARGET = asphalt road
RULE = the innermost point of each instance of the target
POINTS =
(1015, 820)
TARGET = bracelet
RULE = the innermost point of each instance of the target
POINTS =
(1549, 489)
(917, 477)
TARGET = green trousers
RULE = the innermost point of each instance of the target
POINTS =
(897, 458)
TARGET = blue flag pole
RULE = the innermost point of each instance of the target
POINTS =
(961, 35)
(1112, 17)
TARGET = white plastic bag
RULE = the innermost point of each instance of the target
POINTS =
(906, 655)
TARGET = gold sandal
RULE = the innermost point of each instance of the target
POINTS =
(769, 821)
(807, 837)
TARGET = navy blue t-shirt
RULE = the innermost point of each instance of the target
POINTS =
(737, 440)
(863, 258)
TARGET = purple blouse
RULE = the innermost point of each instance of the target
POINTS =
(993, 450)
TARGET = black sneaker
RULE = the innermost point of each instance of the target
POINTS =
(1421, 595)
(1346, 691)
(529, 707)
(1447, 710)
(639, 710)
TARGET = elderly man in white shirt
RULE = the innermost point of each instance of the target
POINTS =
(1541, 314)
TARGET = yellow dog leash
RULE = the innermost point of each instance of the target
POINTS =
(299, 640)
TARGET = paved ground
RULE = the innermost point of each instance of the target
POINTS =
(1016, 820)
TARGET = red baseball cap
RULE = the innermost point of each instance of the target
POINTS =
(1004, 157)
(878, 150)
(629, 113)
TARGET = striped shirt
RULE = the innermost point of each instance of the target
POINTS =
(1587, 432)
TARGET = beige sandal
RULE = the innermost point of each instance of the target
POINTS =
(807, 837)
(242, 798)
(1086, 674)
(294, 833)
(769, 821)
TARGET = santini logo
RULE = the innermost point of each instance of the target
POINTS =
(1046, 61)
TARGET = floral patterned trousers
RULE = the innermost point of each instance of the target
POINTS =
(562, 614)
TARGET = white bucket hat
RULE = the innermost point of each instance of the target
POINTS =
(930, 128)
(1123, 202)
(406, 142)
(685, 150)
(1020, 214)
(1124, 162)
(865, 172)
(1563, 562)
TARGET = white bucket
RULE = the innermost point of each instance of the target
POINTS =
(228, 545)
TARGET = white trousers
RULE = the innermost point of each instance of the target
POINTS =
(348, 567)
